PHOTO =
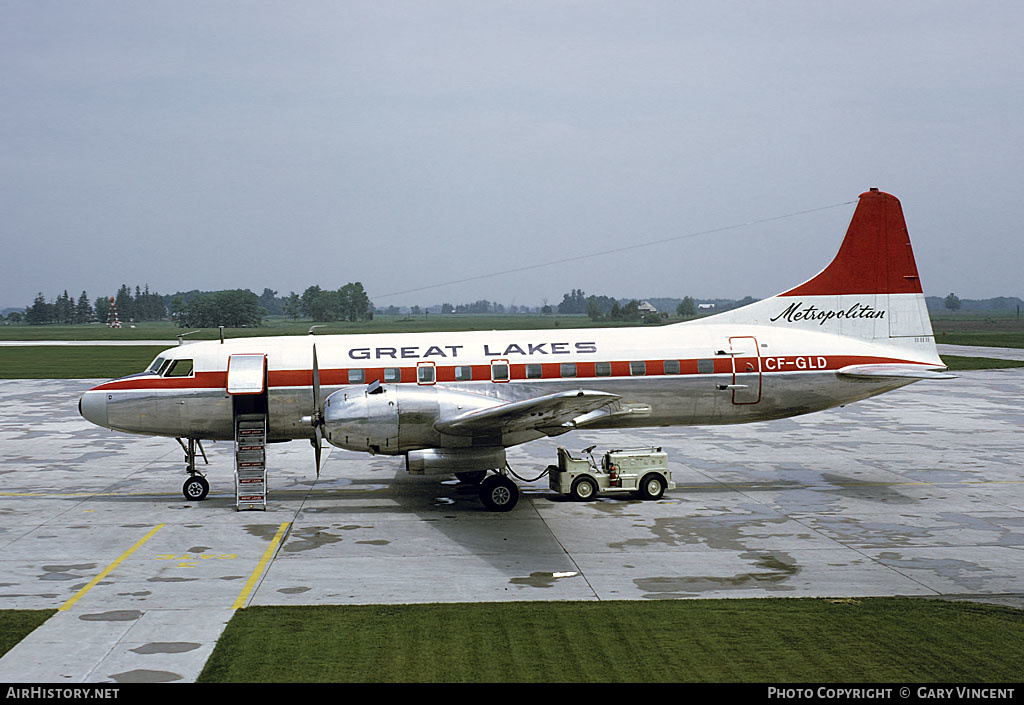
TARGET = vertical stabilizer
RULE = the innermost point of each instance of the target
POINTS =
(871, 290)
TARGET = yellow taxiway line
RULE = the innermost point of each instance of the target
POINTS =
(258, 571)
(110, 568)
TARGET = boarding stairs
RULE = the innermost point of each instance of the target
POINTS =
(251, 462)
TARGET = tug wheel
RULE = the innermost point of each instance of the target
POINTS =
(583, 489)
(652, 486)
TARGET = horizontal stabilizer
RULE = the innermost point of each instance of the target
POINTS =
(538, 413)
(885, 371)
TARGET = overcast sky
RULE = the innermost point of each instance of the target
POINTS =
(214, 145)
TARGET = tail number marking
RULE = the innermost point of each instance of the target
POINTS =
(805, 362)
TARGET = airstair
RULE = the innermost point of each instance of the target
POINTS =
(251, 462)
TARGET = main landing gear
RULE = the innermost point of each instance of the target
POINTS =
(497, 492)
(196, 487)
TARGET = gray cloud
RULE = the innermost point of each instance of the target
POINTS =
(216, 145)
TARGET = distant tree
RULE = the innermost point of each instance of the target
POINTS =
(40, 312)
(631, 311)
(63, 309)
(953, 302)
(125, 304)
(102, 308)
(573, 302)
(83, 309)
(686, 307)
(269, 301)
(234, 308)
(355, 304)
(293, 306)
(447, 308)
(177, 306)
(546, 310)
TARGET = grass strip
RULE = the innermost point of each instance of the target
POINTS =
(957, 363)
(15, 625)
(763, 640)
(74, 362)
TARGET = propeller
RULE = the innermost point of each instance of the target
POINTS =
(317, 419)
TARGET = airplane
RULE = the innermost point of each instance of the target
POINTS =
(452, 403)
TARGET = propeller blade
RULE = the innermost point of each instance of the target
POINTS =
(317, 403)
(318, 414)
(317, 448)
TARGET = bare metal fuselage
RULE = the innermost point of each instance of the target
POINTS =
(725, 375)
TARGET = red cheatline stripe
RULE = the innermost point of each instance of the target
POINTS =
(482, 373)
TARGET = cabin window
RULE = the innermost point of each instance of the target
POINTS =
(425, 374)
(463, 373)
(392, 374)
(705, 366)
(638, 368)
(356, 376)
(534, 372)
(603, 369)
(499, 372)
(568, 369)
(671, 367)
(179, 368)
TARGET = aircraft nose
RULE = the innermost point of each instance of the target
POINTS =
(93, 407)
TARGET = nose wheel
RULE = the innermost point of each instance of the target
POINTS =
(195, 488)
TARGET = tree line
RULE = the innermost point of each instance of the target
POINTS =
(234, 308)
(142, 306)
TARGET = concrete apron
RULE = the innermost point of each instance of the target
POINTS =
(917, 492)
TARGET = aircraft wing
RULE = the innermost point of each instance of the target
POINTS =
(551, 414)
(890, 370)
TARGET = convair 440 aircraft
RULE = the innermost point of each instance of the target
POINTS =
(453, 402)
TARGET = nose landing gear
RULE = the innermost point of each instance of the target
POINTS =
(196, 487)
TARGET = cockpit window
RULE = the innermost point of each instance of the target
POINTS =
(156, 365)
(179, 368)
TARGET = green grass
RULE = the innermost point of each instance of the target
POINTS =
(957, 363)
(74, 362)
(769, 640)
(15, 625)
(989, 330)
(166, 330)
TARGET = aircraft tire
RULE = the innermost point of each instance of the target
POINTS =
(652, 486)
(584, 489)
(499, 494)
(195, 488)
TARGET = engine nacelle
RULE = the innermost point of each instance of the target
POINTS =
(391, 420)
(437, 461)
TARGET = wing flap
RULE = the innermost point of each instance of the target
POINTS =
(550, 414)
(890, 370)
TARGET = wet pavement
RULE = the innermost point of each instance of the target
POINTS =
(916, 492)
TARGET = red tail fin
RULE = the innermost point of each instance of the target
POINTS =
(875, 257)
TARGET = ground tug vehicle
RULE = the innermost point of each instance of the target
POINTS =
(641, 471)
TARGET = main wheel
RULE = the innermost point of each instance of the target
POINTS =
(652, 486)
(498, 493)
(584, 488)
(195, 488)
